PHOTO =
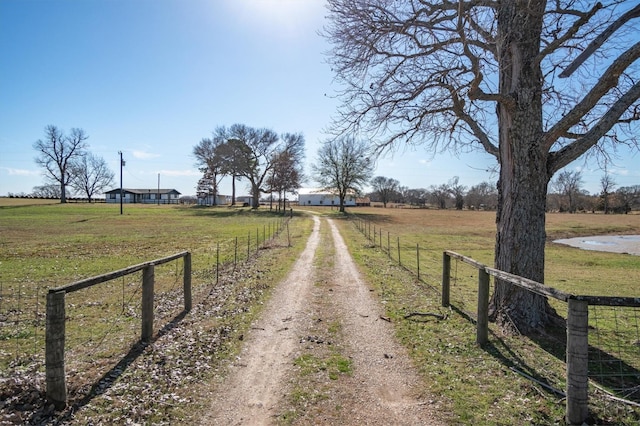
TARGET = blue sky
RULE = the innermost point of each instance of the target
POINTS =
(151, 78)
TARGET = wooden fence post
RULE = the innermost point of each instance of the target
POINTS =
(54, 356)
(446, 278)
(577, 361)
(148, 277)
(388, 245)
(399, 261)
(235, 254)
(418, 259)
(187, 281)
(482, 326)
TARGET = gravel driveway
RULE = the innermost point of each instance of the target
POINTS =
(383, 387)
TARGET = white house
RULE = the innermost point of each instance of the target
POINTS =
(244, 199)
(207, 200)
(319, 197)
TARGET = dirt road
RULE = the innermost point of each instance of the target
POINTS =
(381, 387)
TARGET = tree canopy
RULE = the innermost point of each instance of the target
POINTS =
(385, 188)
(344, 166)
(491, 75)
(57, 153)
(254, 154)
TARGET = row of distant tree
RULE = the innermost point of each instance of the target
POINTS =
(566, 195)
(68, 164)
(271, 163)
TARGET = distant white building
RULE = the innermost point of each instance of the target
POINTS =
(207, 200)
(244, 199)
(319, 197)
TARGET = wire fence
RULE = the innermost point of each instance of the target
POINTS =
(108, 315)
(613, 332)
(614, 350)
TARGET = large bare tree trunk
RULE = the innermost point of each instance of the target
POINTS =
(255, 193)
(233, 190)
(520, 238)
(63, 193)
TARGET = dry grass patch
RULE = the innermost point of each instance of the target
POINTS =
(480, 385)
(112, 378)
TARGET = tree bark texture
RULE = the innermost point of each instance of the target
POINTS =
(522, 187)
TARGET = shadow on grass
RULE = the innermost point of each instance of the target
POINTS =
(231, 211)
(605, 368)
(373, 217)
(110, 377)
(613, 372)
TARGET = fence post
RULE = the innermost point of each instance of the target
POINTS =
(577, 361)
(235, 254)
(388, 246)
(446, 278)
(54, 357)
(482, 331)
(418, 259)
(148, 277)
(399, 261)
(187, 282)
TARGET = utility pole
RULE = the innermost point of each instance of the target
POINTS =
(121, 191)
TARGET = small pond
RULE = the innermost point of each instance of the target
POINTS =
(629, 244)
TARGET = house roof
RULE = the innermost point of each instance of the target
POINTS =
(144, 191)
(320, 191)
(308, 191)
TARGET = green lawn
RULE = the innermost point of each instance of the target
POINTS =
(485, 385)
(51, 245)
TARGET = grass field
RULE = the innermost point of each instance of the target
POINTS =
(45, 246)
(486, 385)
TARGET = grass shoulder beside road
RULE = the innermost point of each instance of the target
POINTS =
(110, 376)
(485, 385)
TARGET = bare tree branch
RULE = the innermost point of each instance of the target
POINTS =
(599, 41)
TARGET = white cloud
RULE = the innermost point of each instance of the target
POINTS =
(143, 155)
(180, 173)
(619, 172)
(20, 172)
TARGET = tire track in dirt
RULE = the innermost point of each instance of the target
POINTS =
(383, 388)
(255, 382)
